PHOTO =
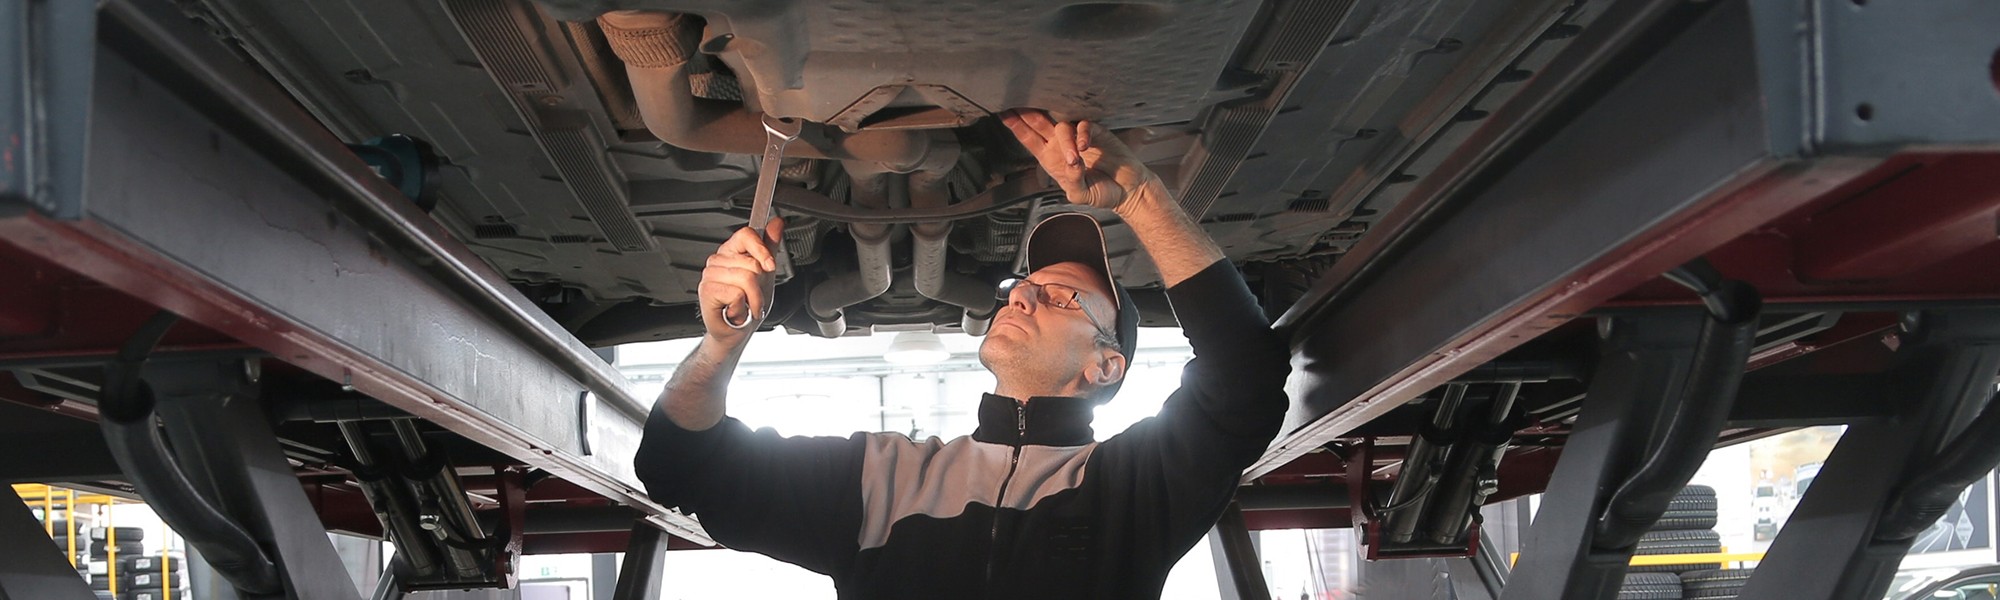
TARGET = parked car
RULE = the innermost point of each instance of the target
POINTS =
(1977, 583)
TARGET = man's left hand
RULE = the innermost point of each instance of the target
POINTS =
(1092, 166)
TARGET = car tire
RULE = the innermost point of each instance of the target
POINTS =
(1677, 541)
(1714, 584)
(1650, 586)
(1686, 520)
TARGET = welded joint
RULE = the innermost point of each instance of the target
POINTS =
(513, 494)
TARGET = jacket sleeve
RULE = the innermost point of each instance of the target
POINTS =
(1181, 466)
(796, 499)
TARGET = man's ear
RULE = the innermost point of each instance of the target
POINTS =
(1110, 368)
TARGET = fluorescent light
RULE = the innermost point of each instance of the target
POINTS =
(916, 348)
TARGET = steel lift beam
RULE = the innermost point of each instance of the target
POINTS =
(1754, 109)
(213, 196)
(1749, 112)
(218, 199)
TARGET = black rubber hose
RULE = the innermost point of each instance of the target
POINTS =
(1725, 299)
(1721, 354)
(126, 411)
(1932, 491)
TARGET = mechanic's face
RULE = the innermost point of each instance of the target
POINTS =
(1039, 347)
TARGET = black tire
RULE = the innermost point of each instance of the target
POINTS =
(149, 563)
(1678, 541)
(100, 552)
(1714, 584)
(1691, 504)
(150, 580)
(1674, 538)
(1696, 491)
(1686, 520)
(1650, 586)
(1712, 578)
(125, 534)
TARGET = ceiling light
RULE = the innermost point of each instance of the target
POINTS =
(916, 348)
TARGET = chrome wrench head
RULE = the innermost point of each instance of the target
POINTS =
(778, 133)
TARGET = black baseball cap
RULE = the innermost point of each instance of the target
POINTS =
(1076, 237)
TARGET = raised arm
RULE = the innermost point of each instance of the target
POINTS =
(736, 284)
(794, 498)
(1096, 169)
(1180, 466)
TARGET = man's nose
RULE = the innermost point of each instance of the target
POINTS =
(1021, 298)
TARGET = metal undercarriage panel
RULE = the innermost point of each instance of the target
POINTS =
(1290, 126)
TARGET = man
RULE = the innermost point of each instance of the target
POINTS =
(1028, 506)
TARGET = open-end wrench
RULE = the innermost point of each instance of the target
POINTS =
(778, 133)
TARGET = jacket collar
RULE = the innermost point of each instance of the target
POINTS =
(1042, 421)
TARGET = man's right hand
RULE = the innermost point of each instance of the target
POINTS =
(736, 286)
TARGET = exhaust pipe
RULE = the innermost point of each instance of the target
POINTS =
(656, 47)
(870, 187)
(931, 189)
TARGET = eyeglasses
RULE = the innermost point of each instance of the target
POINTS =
(1059, 296)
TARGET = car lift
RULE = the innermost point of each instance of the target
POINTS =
(142, 155)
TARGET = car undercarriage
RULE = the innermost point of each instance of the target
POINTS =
(1535, 247)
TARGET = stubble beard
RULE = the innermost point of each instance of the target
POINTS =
(1022, 366)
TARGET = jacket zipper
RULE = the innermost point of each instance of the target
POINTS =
(1014, 462)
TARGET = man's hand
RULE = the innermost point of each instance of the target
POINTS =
(1093, 167)
(1096, 169)
(737, 284)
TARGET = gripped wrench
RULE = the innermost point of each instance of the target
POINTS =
(778, 133)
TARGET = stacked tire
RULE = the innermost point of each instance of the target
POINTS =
(125, 541)
(1714, 584)
(1650, 586)
(1688, 527)
(152, 577)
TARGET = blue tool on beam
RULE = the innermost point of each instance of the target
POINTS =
(407, 163)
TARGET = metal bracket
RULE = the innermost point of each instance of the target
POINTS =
(513, 508)
(1246, 572)
(645, 558)
(47, 55)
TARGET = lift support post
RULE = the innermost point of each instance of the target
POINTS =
(1832, 547)
(1644, 364)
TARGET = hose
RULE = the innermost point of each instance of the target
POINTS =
(1932, 491)
(126, 411)
(1721, 353)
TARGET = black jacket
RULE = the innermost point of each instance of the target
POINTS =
(1028, 506)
